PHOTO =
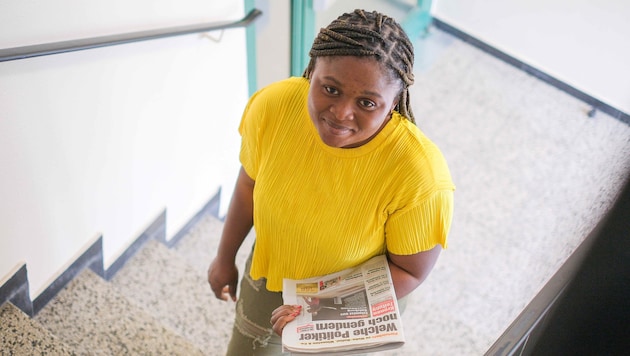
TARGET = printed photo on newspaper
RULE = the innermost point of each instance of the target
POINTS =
(352, 310)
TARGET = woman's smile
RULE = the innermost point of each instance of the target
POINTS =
(336, 129)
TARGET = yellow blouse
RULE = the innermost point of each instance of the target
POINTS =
(320, 209)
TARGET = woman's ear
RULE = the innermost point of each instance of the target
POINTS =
(398, 97)
(394, 105)
(308, 72)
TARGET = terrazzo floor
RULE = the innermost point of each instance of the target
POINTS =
(93, 318)
(21, 336)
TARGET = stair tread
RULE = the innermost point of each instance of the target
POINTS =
(89, 315)
(176, 293)
(21, 335)
(200, 245)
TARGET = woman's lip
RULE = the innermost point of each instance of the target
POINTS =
(336, 129)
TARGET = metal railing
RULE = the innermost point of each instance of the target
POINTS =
(10, 54)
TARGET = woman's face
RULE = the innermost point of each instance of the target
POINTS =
(350, 99)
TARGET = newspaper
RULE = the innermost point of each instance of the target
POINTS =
(354, 310)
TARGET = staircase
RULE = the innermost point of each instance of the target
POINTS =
(158, 303)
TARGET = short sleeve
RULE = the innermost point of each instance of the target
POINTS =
(263, 116)
(249, 130)
(422, 227)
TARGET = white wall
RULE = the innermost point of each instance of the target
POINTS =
(101, 141)
(582, 43)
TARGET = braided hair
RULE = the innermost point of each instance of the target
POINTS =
(362, 34)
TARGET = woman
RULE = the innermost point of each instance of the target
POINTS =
(334, 172)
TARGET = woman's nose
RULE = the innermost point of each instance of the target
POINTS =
(342, 110)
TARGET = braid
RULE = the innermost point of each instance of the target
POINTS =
(362, 34)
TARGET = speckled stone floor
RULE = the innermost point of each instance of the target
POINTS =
(94, 319)
(534, 175)
(157, 276)
(20, 335)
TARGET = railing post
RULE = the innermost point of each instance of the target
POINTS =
(302, 34)
(417, 23)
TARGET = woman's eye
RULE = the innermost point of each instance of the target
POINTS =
(330, 90)
(367, 103)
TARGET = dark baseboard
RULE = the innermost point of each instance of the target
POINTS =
(211, 208)
(596, 105)
(16, 291)
(91, 258)
(16, 288)
(156, 230)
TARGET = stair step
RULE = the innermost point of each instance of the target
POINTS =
(176, 293)
(21, 335)
(200, 245)
(90, 316)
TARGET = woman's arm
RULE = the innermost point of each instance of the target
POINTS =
(223, 273)
(408, 272)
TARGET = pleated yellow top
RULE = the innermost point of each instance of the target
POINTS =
(320, 209)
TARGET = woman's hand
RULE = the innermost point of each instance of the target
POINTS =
(283, 315)
(223, 279)
(223, 273)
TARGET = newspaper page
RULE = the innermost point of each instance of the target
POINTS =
(352, 310)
